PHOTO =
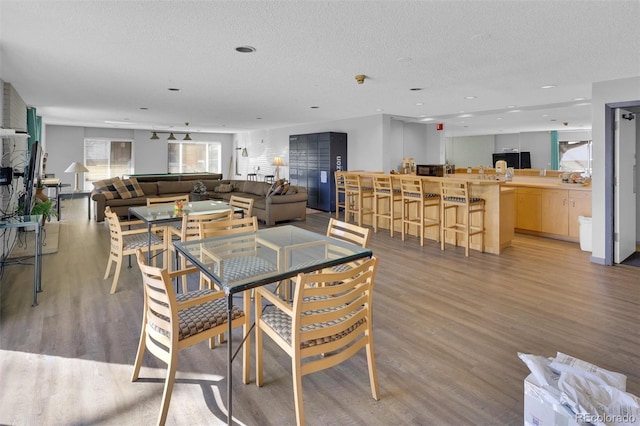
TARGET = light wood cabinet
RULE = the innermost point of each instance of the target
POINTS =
(552, 211)
(528, 208)
(555, 211)
(579, 205)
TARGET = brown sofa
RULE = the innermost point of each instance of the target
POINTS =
(269, 208)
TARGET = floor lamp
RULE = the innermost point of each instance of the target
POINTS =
(277, 162)
(77, 168)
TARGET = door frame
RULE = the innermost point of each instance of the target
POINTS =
(609, 171)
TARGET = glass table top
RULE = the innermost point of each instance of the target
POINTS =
(242, 261)
(166, 212)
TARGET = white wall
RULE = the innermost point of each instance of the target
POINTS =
(470, 150)
(605, 92)
(65, 144)
(364, 144)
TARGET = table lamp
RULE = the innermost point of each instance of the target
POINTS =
(277, 161)
(76, 167)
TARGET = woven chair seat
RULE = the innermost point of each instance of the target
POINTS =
(461, 199)
(239, 268)
(427, 195)
(202, 317)
(141, 241)
(280, 322)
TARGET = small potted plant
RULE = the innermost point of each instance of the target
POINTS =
(44, 208)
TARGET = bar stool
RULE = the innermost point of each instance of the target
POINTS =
(414, 194)
(252, 176)
(357, 190)
(455, 194)
(269, 178)
(340, 192)
(384, 191)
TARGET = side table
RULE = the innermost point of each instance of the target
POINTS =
(72, 195)
(199, 196)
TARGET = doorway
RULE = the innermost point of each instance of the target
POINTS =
(621, 218)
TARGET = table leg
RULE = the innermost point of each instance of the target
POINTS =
(229, 359)
(37, 271)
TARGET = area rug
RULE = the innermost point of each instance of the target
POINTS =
(633, 260)
(25, 243)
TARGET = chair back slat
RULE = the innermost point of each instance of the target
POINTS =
(348, 232)
(246, 204)
(228, 227)
(167, 200)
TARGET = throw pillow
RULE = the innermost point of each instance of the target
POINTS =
(107, 188)
(128, 188)
(224, 187)
(276, 187)
(284, 189)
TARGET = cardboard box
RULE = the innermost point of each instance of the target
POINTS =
(541, 408)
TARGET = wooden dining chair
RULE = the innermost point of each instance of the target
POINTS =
(173, 322)
(467, 223)
(169, 201)
(385, 196)
(348, 232)
(228, 227)
(246, 204)
(124, 241)
(359, 195)
(420, 208)
(340, 192)
(329, 321)
(190, 230)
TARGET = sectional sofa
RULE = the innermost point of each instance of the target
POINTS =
(272, 202)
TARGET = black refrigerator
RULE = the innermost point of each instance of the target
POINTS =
(313, 160)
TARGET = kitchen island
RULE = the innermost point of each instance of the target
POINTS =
(499, 217)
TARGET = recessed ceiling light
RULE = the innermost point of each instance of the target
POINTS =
(511, 106)
(419, 103)
(314, 107)
(470, 97)
(144, 108)
(258, 118)
(404, 59)
(465, 115)
(416, 89)
(426, 119)
(579, 99)
(499, 118)
(514, 110)
(379, 109)
(174, 89)
(245, 49)
(548, 86)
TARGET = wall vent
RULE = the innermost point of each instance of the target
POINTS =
(14, 111)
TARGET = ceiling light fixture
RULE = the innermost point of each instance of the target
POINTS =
(171, 137)
(154, 136)
(470, 97)
(548, 86)
(360, 78)
(245, 49)
(415, 89)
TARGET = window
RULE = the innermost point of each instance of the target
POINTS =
(195, 157)
(575, 155)
(106, 158)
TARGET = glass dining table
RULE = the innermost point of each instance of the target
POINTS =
(162, 214)
(242, 261)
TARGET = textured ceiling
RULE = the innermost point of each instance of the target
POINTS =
(87, 62)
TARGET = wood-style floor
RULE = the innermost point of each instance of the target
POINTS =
(447, 333)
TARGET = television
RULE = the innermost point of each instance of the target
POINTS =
(517, 160)
(31, 178)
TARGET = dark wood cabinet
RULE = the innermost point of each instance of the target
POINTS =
(313, 160)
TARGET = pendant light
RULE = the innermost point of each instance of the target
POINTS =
(154, 136)
(171, 137)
